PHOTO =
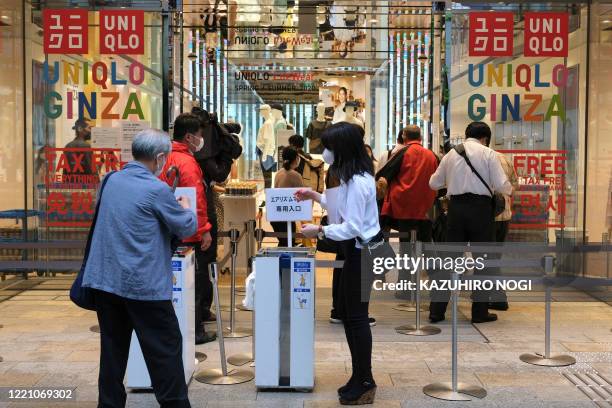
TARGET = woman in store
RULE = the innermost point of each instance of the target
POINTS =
(345, 150)
(287, 177)
(339, 114)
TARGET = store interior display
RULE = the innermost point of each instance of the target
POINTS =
(315, 129)
(241, 188)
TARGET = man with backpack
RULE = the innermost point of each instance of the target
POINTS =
(312, 170)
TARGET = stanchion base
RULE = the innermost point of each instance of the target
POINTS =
(95, 329)
(200, 356)
(411, 330)
(407, 307)
(229, 309)
(444, 391)
(238, 333)
(552, 361)
(240, 359)
(214, 376)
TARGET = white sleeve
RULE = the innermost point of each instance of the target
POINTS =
(499, 180)
(438, 179)
(352, 224)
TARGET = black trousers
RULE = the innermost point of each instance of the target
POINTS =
(337, 306)
(356, 324)
(160, 338)
(203, 285)
(501, 232)
(424, 234)
(281, 226)
(470, 219)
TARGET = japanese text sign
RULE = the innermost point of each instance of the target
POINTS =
(281, 205)
(491, 34)
(65, 31)
(546, 34)
(122, 32)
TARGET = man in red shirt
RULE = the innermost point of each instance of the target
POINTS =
(188, 139)
(409, 197)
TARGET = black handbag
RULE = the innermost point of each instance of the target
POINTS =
(327, 245)
(83, 296)
(498, 202)
(377, 248)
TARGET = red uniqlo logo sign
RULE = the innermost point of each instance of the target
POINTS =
(491, 34)
(546, 34)
(65, 31)
(122, 32)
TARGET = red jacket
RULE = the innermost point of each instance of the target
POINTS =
(409, 196)
(190, 175)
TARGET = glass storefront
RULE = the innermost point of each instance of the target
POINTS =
(394, 62)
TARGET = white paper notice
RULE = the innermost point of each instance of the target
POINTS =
(129, 129)
(332, 197)
(105, 137)
(281, 205)
(190, 193)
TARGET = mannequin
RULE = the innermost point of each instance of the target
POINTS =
(349, 109)
(277, 114)
(339, 112)
(266, 144)
(315, 129)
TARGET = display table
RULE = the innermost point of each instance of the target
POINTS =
(183, 299)
(237, 211)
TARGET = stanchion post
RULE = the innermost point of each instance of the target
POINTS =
(232, 332)
(410, 306)
(221, 376)
(454, 391)
(547, 359)
(416, 329)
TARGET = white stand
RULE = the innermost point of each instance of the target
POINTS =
(183, 299)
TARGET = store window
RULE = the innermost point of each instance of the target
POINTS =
(523, 69)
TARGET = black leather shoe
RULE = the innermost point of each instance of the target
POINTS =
(203, 338)
(435, 319)
(359, 394)
(502, 306)
(490, 317)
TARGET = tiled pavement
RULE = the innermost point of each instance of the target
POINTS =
(46, 342)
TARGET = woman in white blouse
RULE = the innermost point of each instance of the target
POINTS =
(346, 154)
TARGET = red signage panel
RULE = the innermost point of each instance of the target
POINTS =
(122, 32)
(546, 34)
(65, 31)
(491, 34)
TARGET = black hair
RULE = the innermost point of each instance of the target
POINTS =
(345, 140)
(234, 128)
(400, 136)
(296, 141)
(369, 148)
(478, 130)
(345, 91)
(186, 123)
(289, 155)
(412, 132)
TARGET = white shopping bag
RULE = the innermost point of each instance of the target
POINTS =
(249, 299)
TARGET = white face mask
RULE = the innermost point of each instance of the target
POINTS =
(328, 156)
(160, 165)
(200, 145)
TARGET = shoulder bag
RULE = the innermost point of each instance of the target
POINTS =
(83, 296)
(498, 202)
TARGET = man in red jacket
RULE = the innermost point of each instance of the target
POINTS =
(409, 197)
(188, 139)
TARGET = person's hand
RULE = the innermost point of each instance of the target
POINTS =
(184, 202)
(304, 194)
(310, 230)
(206, 241)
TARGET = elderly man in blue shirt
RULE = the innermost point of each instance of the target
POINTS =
(129, 266)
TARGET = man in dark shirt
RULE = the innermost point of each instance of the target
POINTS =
(297, 142)
(79, 159)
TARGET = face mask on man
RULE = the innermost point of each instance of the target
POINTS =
(328, 156)
(160, 164)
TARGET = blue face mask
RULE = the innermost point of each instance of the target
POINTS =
(328, 156)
